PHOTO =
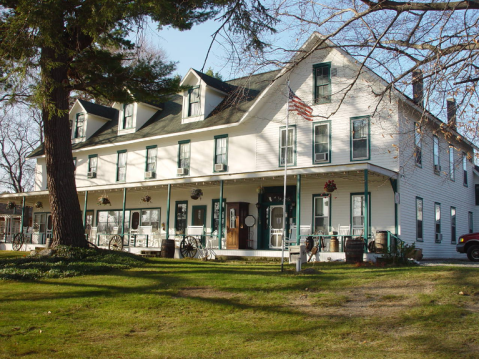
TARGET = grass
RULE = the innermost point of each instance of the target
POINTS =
(192, 309)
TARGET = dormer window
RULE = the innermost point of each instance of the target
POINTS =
(194, 101)
(79, 130)
(128, 116)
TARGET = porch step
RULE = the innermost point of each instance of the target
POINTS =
(150, 253)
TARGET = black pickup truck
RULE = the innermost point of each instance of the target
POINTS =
(469, 243)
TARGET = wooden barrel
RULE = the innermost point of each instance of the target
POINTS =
(334, 244)
(354, 249)
(381, 241)
(168, 248)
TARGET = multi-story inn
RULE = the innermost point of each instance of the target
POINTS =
(394, 172)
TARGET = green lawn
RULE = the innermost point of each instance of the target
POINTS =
(195, 309)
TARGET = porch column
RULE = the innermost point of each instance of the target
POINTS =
(366, 207)
(123, 213)
(394, 185)
(220, 216)
(23, 214)
(298, 208)
(167, 227)
(84, 210)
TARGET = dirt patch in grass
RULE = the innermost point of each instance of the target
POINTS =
(204, 292)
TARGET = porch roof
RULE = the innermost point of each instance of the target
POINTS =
(229, 178)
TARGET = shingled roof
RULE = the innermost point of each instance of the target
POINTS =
(99, 110)
(241, 94)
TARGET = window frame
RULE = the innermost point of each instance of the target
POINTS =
(453, 225)
(128, 118)
(368, 138)
(177, 203)
(147, 163)
(190, 102)
(120, 153)
(213, 219)
(417, 144)
(179, 160)
(464, 168)
(90, 157)
(225, 162)
(327, 98)
(352, 195)
(452, 167)
(150, 222)
(317, 124)
(281, 129)
(75, 130)
(436, 157)
(419, 236)
(437, 222)
(315, 197)
(118, 224)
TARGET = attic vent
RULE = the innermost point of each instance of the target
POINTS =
(334, 72)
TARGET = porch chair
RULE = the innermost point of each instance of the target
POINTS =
(344, 230)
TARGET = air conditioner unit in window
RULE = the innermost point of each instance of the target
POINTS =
(319, 157)
(437, 168)
(91, 174)
(182, 171)
(149, 174)
(219, 167)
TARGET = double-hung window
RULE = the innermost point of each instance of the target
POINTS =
(79, 126)
(321, 142)
(322, 83)
(436, 159)
(464, 168)
(358, 212)
(287, 146)
(360, 143)
(417, 144)
(453, 225)
(150, 168)
(121, 166)
(437, 222)
(452, 167)
(321, 213)
(92, 166)
(419, 219)
(151, 217)
(194, 101)
(128, 116)
(184, 157)
(221, 153)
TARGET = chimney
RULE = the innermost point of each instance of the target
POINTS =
(451, 113)
(417, 88)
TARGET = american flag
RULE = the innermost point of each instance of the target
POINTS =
(298, 105)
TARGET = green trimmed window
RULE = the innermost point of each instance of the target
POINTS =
(453, 225)
(127, 116)
(436, 159)
(107, 221)
(464, 168)
(151, 154)
(121, 166)
(360, 142)
(437, 222)
(358, 212)
(452, 167)
(184, 157)
(215, 218)
(417, 144)
(321, 214)
(92, 165)
(194, 101)
(419, 219)
(287, 146)
(181, 216)
(151, 217)
(322, 142)
(322, 83)
(79, 131)
(221, 153)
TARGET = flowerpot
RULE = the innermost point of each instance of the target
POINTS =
(195, 197)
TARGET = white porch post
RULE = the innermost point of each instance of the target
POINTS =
(167, 226)
(298, 208)
(366, 207)
(220, 216)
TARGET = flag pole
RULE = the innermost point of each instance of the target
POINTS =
(285, 217)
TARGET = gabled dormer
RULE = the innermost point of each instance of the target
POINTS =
(132, 116)
(205, 93)
(86, 118)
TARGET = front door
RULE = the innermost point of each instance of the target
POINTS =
(275, 226)
(135, 220)
(232, 226)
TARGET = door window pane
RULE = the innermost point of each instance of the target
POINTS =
(321, 215)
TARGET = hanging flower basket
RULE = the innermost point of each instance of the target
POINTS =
(38, 204)
(11, 205)
(146, 199)
(196, 193)
(330, 186)
(103, 201)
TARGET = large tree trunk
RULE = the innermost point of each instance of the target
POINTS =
(64, 204)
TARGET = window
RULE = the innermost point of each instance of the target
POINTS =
(92, 165)
(181, 216)
(453, 225)
(321, 212)
(437, 222)
(151, 152)
(194, 101)
(360, 138)
(417, 144)
(79, 126)
(437, 166)
(40, 222)
(151, 217)
(121, 166)
(127, 116)
(452, 169)
(184, 157)
(287, 144)
(108, 220)
(322, 83)
(358, 211)
(477, 194)
(419, 219)
(464, 168)
(216, 214)
(221, 152)
(470, 223)
(321, 142)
